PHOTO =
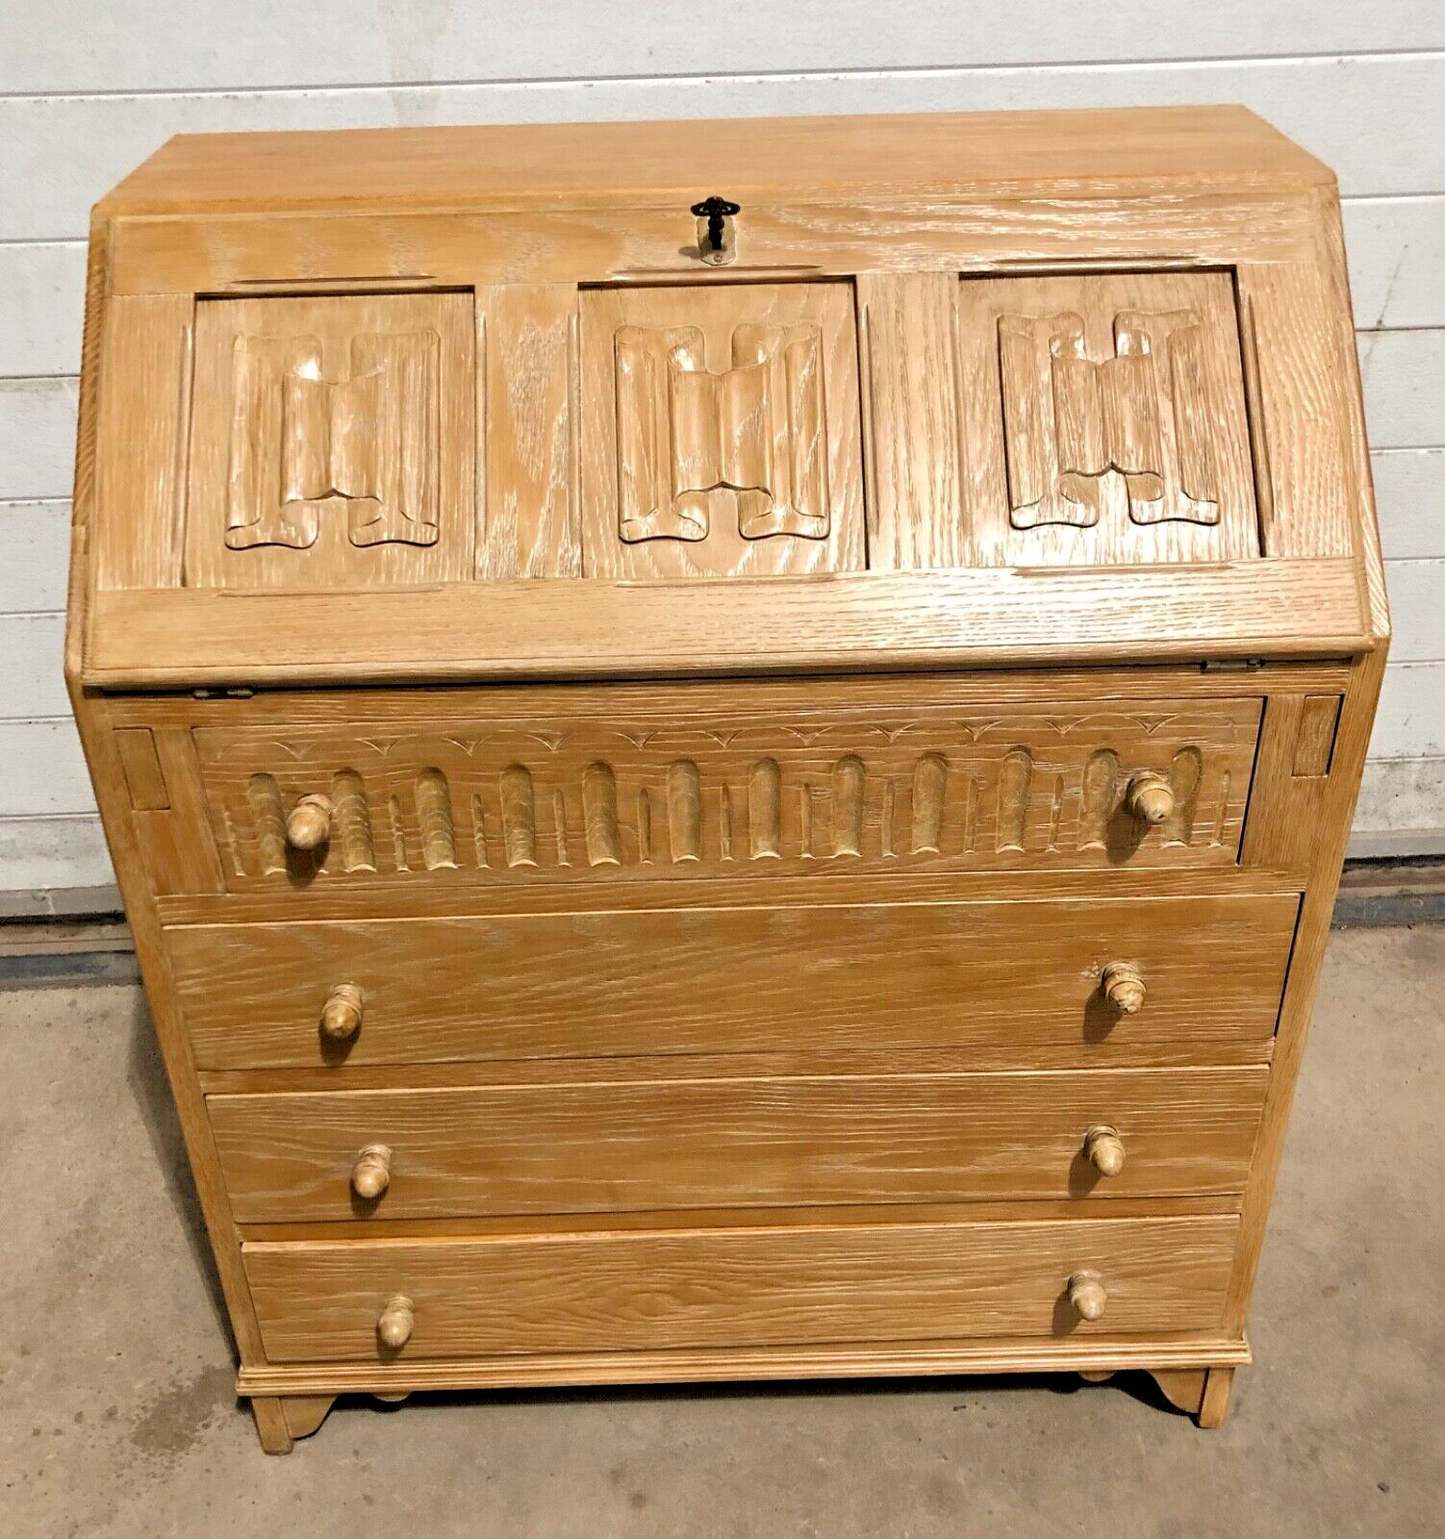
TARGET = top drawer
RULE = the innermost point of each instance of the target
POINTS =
(790, 784)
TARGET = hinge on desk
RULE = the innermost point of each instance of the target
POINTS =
(1231, 664)
(240, 692)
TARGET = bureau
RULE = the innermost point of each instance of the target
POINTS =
(729, 744)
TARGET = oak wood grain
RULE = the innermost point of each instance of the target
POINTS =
(1013, 982)
(577, 1148)
(876, 1282)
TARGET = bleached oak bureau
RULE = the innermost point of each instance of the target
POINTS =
(728, 744)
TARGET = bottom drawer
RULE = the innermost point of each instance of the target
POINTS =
(454, 1298)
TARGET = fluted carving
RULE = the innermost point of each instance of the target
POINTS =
(1103, 788)
(684, 811)
(425, 803)
(765, 796)
(519, 816)
(434, 817)
(1185, 773)
(352, 838)
(848, 806)
(268, 822)
(599, 813)
(930, 781)
(1014, 777)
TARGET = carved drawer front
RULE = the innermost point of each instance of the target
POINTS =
(332, 443)
(720, 431)
(1043, 984)
(737, 1287)
(613, 1147)
(1107, 419)
(588, 799)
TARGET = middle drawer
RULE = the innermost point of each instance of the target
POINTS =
(615, 1147)
(1021, 984)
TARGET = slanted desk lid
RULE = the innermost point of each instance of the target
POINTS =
(355, 442)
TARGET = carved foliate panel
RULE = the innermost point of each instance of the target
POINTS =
(1108, 419)
(720, 431)
(332, 443)
(653, 797)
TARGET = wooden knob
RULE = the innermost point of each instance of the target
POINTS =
(1123, 987)
(1149, 797)
(371, 1174)
(309, 825)
(395, 1322)
(341, 1014)
(1104, 1150)
(1086, 1294)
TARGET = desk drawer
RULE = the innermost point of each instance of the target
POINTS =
(737, 1287)
(1019, 985)
(801, 1141)
(796, 782)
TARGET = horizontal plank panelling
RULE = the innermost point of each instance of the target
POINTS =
(1410, 723)
(1410, 496)
(53, 852)
(1397, 254)
(1403, 373)
(1396, 250)
(42, 295)
(84, 47)
(37, 437)
(44, 770)
(1377, 119)
(32, 681)
(35, 537)
(1417, 609)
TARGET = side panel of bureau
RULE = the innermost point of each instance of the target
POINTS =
(1017, 983)
(733, 1287)
(737, 1143)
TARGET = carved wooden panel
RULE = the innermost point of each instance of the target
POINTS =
(720, 431)
(872, 789)
(1106, 419)
(333, 442)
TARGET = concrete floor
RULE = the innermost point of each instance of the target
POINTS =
(117, 1415)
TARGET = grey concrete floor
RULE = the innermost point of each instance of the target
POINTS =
(117, 1415)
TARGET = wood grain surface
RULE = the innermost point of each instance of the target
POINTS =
(556, 1148)
(1014, 983)
(877, 1282)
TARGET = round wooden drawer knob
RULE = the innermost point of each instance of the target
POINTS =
(394, 1324)
(341, 1014)
(371, 1174)
(1104, 1150)
(1149, 797)
(1124, 988)
(309, 826)
(1086, 1294)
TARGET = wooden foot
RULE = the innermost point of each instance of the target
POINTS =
(1096, 1375)
(405, 1394)
(281, 1419)
(1201, 1392)
(271, 1424)
(1214, 1404)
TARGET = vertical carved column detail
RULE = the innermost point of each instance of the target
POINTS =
(684, 811)
(434, 818)
(848, 806)
(599, 812)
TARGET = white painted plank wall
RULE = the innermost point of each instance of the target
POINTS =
(87, 91)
